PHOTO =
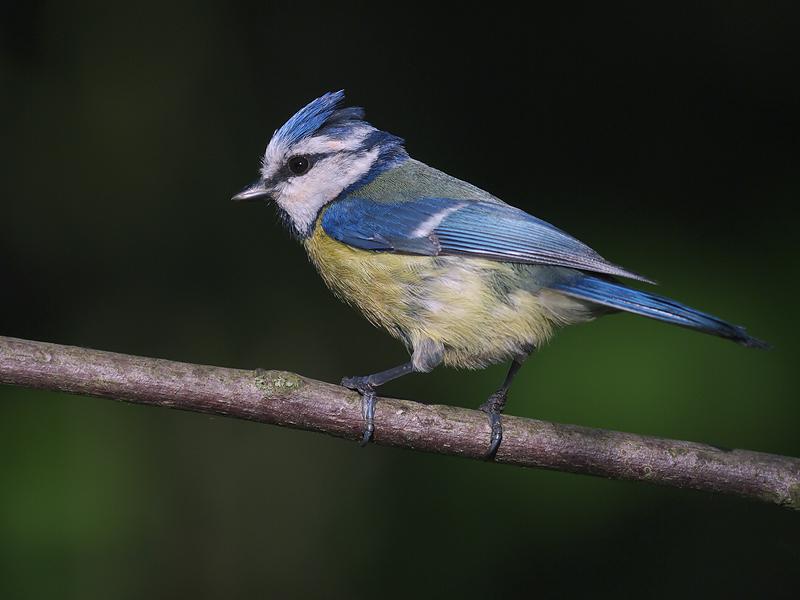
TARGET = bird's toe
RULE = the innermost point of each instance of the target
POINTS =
(493, 408)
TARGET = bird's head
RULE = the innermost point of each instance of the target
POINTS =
(322, 151)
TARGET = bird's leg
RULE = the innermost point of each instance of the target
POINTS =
(365, 386)
(495, 404)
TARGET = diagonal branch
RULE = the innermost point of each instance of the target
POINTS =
(289, 400)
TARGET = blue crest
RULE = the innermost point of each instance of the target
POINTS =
(324, 112)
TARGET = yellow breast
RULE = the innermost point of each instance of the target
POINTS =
(374, 282)
(479, 311)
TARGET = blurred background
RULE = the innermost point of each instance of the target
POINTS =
(666, 138)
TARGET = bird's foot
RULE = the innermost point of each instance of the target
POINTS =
(493, 407)
(363, 386)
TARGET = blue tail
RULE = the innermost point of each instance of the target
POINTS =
(619, 297)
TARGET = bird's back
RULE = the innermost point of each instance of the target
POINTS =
(413, 180)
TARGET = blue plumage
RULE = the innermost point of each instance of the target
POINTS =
(619, 297)
(322, 112)
(486, 228)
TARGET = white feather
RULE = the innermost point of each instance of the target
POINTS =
(432, 222)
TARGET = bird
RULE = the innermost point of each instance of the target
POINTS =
(461, 278)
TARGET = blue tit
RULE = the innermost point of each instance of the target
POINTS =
(457, 275)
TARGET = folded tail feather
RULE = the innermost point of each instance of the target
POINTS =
(620, 297)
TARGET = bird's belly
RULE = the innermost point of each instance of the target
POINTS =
(478, 311)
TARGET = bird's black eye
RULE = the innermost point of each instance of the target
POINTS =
(299, 165)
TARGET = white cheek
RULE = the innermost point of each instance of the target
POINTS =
(303, 197)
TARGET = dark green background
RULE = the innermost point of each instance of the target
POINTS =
(665, 138)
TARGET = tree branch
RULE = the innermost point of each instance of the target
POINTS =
(289, 400)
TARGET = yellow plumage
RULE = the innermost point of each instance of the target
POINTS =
(473, 311)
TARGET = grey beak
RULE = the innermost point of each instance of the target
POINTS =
(254, 191)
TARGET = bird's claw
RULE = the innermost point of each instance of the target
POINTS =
(367, 391)
(493, 407)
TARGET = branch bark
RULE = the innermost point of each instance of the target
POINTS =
(289, 400)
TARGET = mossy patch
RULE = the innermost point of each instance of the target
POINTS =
(277, 383)
(677, 452)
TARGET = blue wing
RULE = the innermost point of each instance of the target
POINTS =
(448, 226)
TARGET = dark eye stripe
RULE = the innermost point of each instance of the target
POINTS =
(284, 174)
